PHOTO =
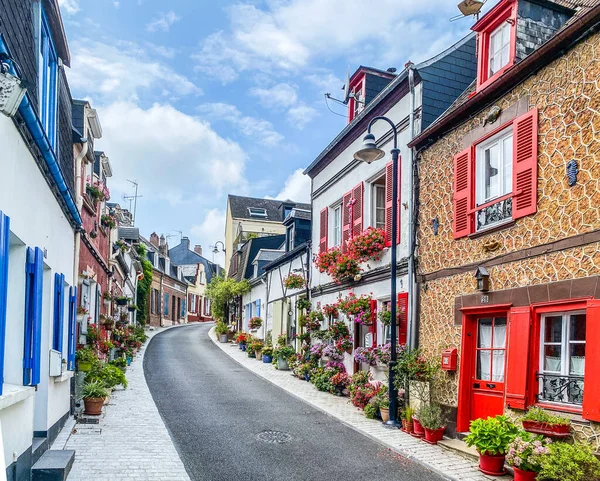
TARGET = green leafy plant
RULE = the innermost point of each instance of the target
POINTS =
(539, 415)
(430, 416)
(527, 451)
(570, 462)
(267, 350)
(109, 375)
(94, 390)
(86, 354)
(221, 328)
(303, 303)
(408, 414)
(144, 285)
(119, 362)
(371, 410)
(491, 435)
(221, 291)
(284, 352)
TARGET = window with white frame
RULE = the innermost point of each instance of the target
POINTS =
(499, 53)
(359, 103)
(337, 225)
(494, 167)
(257, 212)
(48, 72)
(562, 357)
(378, 203)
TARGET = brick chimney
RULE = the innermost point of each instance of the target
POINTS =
(186, 242)
(154, 239)
(163, 247)
(198, 249)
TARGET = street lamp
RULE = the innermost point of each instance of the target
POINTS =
(370, 153)
(216, 249)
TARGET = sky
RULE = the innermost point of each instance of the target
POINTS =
(200, 99)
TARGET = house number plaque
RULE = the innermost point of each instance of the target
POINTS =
(485, 299)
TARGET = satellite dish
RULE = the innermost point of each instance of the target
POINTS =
(470, 7)
(347, 87)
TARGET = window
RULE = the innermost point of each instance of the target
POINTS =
(4, 253)
(59, 312)
(494, 167)
(166, 306)
(257, 212)
(358, 104)
(491, 349)
(499, 49)
(290, 238)
(337, 225)
(562, 357)
(378, 203)
(48, 63)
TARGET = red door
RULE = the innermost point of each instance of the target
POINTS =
(487, 380)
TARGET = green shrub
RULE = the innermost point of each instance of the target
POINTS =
(430, 416)
(542, 416)
(94, 390)
(86, 354)
(491, 435)
(371, 410)
(108, 374)
(570, 462)
(221, 328)
(119, 362)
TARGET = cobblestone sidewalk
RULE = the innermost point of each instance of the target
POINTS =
(450, 465)
(130, 442)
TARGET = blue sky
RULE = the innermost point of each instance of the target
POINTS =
(200, 99)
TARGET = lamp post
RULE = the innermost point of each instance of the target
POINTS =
(370, 153)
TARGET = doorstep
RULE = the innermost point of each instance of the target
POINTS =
(459, 447)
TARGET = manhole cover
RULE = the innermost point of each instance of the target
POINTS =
(274, 437)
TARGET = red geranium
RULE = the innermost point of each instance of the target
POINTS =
(367, 245)
(324, 260)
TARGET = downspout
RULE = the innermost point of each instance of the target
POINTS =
(79, 198)
(412, 323)
(39, 136)
(267, 309)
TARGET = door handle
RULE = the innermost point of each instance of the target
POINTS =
(490, 385)
(476, 384)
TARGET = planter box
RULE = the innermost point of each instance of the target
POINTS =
(121, 302)
(552, 430)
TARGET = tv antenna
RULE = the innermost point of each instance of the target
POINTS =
(469, 8)
(180, 235)
(132, 198)
(347, 96)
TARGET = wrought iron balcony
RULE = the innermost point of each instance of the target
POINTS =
(560, 389)
(488, 215)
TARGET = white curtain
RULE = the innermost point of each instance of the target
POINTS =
(484, 365)
(498, 366)
(500, 336)
(577, 365)
(485, 335)
(552, 364)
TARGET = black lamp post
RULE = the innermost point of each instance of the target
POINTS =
(370, 153)
(216, 249)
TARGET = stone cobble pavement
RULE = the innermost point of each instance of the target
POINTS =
(130, 442)
(450, 465)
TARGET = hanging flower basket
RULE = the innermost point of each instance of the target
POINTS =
(324, 260)
(109, 221)
(367, 245)
(357, 308)
(345, 267)
(294, 281)
(255, 323)
(331, 310)
(312, 322)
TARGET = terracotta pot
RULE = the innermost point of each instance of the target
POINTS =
(521, 475)
(403, 424)
(258, 355)
(432, 436)
(409, 426)
(492, 464)
(93, 406)
(418, 430)
(385, 414)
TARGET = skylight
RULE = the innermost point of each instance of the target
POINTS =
(256, 212)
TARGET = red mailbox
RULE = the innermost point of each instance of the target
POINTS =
(449, 357)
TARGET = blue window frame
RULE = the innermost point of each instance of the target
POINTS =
(4, 249)
(183, 308)
(166, 309)
(48, 81)
(59, 312)
(257, 307)
(72, 328)
(34, 278)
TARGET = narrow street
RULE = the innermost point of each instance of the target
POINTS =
(225, 421)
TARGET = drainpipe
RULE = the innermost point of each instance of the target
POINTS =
(79, 200)
(412, 324)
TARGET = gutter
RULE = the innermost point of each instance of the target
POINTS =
(39, 136)
(411, 318)
(543, 56)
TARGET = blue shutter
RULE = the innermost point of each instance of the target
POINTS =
(257, 307)
(183, 308)
(166, 310)
(33, 316)
(4, 248)
(59, 312)
(72, 328)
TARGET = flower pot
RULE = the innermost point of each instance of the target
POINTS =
(521, 475)
(432, 436)
(121, 302)
(129, 359)
(409, 426)
(307, 377)
(243, 346)
(492, 464)
(385, 414)
(403, 421)
(267, 359)
(418, 430)
(339, 391)
(93, 406)
(258, 355)
(223, 338)
(84, 366)
(552, 430)
(282, 364)
(131, 309)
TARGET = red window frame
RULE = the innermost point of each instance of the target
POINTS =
(539, 309)
(505, 11)
(357, 85)
(490, 349)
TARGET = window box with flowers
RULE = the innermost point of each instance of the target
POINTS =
(539, 421)
(108, 220)
(367, 245)
(331, 310)
(82, 312)
(294, 281)
(255, 323)
(96, 191)
(324, 260)
(357, 308)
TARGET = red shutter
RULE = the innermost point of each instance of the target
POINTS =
(402, 317)
(346, 220)
(515, 384)
(463, 193)
(591, 379)
(525, 150)
(388, 204)
(357, 210)
(323, 230)
(373, 326)
(399, 229)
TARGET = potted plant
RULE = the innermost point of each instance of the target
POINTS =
(267, 354)
(340, 382)
(241, 338)
(430, 417)
(86, 359)
(491, 437)
(570, 462)
(539, 421)
(255, 323)
(122, 300)
(525, 455)
(131, 307)
(221, 330)
(94, 394)
(418, 429)
(81, 313)
(282, 353)
(257, 346)
(407, 420)
(302, 304)
(107, 297)
(294, 281)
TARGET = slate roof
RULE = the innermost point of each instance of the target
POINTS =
(298, 213)
(181, 255)
(249, 251)
(151, 251)
(239, 207)
(288, 256)
(129, 233)
(268, 255)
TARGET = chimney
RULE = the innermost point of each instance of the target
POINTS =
(198, 249)
(186, 242)
(154, 239)
(163, 247)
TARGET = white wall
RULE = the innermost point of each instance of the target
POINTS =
(257, 292)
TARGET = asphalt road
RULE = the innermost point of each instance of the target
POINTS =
(217, 412)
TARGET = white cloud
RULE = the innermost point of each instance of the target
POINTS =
(70, 7)
(163, 22)
(326, 82)
(208, 232)
(301, 115)
(286, 35)
(297, 187)
(262, 130)
(122, 71)
(279, 96)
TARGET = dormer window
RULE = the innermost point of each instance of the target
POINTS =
(357, 100)
(257, 212)
(496, 39)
